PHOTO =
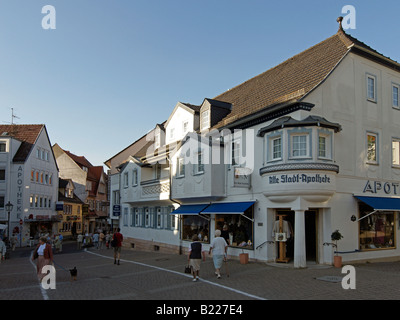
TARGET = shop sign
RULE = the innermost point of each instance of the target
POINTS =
(60, 206)
(242, 177)
(299, 178)
(20, 187)
(116, 210)
(379, 187)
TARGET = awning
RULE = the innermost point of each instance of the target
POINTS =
(229, 207)
(381, 203)
(190, 209)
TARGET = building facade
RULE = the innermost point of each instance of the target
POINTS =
(28, 180)
(279, 162)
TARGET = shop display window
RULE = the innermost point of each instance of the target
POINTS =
(236, 229)
(194, 224)
(377, 229)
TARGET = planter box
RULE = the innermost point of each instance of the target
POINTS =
(244, 258)
(337, 261)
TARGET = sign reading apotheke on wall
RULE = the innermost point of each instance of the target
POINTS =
(299, 178)
(382, 187)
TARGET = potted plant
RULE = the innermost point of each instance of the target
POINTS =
(337, 260)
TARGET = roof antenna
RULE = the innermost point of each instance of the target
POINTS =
(13, 116)
(339, 20)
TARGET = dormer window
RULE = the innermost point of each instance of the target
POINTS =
(205, 119)
(157, 141)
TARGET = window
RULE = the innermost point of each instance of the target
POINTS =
(157, 171)
(126, 180)
(180, 170)
(32, 175)
(38, 153)
(199, 166)
(192, 225)
(372, 148)
(276, 148)
(185, 126)
(134, 177)
(395, 96)
(159, 218)
(115, 197)
(2, 174)
(205, 119)
(125, 222)
(2, 147)
(396, 152)
(299, 146)
(147, 217)
(376, 230)
(173, 219)
(31, 201)
(371, 88)
(1, 202)
(157, 141)
(171, 133)
(36, 201)
(236, 152)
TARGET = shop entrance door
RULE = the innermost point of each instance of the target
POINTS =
(311, 235)
(310, 217)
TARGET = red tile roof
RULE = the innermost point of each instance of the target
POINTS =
(26, 133)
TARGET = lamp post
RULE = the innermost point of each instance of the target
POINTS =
(9, 206)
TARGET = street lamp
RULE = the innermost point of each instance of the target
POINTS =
(9, 206)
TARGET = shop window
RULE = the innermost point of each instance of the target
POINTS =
(237, 229)
(376, 230)
(194, 224)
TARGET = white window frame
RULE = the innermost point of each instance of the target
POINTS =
(147, 222)
(294, 136)
(372, 98)
(236, 148)
(180, 167)
(396, 153)
(205, 120)
(126, 180)
(159, 218)
(199, 165)
(134, 177)
(272, 146)
(185, 126)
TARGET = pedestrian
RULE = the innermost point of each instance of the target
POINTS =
(79, 241)
(108, 239)
(194, 257)
(44, 255)
(117, 238)
(218, 247)
(57, 243)
(96, 240)
(102, 239)
(14, 241)
(3, 250)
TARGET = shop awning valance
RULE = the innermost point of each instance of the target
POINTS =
(228, 207)
(190, 209)
(381, 203)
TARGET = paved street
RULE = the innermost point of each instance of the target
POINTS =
(158, 276)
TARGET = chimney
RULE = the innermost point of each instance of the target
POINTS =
(339, 20)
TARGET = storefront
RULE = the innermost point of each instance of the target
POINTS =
(234, 219)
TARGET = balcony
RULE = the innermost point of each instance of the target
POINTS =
(155, 189)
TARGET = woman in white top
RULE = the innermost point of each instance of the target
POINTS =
(218, 247)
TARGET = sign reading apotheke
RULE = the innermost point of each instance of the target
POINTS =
(299, 178)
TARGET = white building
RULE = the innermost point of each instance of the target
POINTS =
(28, 179)
(306, 148)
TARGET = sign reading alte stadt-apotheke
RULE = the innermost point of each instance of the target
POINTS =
(299, 178)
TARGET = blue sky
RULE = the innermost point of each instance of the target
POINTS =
(111, 70)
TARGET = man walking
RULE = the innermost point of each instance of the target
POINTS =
(117, 239)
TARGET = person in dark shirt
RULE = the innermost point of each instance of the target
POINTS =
(194, 258)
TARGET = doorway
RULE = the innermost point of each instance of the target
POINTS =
(310, 218)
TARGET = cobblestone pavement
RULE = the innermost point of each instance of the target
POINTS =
(159, 276)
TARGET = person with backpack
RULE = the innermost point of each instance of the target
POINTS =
(116, 243)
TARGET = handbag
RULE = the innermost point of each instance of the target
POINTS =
(188, 269)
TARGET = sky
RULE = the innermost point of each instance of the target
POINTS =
(111, 70)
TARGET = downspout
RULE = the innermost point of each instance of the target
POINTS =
(172, 200)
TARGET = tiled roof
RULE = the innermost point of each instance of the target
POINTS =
(80, 160)
(291, 80)
(26, 133)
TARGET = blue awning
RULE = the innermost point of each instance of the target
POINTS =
(381, 203)
(229, 207)
(190, 209)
